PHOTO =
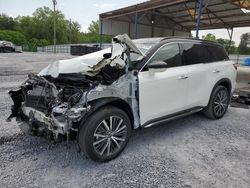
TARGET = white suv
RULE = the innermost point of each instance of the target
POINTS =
(99, 98)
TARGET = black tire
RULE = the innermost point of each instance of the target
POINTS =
(94, 130)
(216, 103)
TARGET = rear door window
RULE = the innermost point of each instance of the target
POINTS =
(195, 53)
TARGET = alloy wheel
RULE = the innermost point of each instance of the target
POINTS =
(220, 103)
(109, 136)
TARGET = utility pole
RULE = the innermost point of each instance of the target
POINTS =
(70, 31)
(54, 17)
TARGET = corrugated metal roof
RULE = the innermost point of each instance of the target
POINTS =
(215, 13)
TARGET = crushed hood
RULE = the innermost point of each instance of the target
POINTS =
(92, 63)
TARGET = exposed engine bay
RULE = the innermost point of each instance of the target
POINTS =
(56, 101)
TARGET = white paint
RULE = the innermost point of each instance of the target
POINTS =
(162, 92)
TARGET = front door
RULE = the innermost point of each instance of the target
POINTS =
(163, 89)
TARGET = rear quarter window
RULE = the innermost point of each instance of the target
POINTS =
(218, 53)
(195, 53)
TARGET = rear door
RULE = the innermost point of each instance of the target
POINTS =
(221, 67)
(163, 91)
(196, 56)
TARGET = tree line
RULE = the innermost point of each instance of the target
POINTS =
(243, 48)
(37, 30)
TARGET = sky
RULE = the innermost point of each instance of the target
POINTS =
(84, 11)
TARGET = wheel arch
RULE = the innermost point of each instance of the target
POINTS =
(223, 82)
(112, 101)
(208, 110)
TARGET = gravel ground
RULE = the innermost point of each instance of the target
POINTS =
(189, 152)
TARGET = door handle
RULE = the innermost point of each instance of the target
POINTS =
(182, 77)
(216, 71)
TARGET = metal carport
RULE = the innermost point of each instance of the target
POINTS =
(157, 18)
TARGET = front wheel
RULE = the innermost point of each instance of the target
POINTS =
(105, 134)
(218, 103)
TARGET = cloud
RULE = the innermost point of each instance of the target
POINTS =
(104, 5)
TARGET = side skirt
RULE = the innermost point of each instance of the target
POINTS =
(171, 117)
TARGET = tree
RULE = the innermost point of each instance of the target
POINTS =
(13, 36)
(43, 19)
(40, 26)
(37, 30)
(73, 32)
(26, 26)
(7, 23)
(244, 42)
(93, 27)
(225, 43)
(209, 37)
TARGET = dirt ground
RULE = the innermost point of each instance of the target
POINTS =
(189, 152)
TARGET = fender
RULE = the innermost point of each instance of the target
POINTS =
(224, 82)
(98, 103)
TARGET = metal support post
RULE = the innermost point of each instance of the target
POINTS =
(230, 39)
(135, 27)
(101, 33)
(199, 19)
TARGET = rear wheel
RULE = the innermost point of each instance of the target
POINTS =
(218, 103)
(105, 134)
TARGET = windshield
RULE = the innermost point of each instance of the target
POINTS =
(146, 44)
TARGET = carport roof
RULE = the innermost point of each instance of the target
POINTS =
(215, 13)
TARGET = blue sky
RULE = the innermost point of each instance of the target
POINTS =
(84, 11)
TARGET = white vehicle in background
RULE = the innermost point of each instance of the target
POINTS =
(99, 98)
(6, 46)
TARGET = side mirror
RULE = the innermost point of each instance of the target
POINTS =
(158, 65)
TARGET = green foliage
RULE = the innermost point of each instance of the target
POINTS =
(209, 37)
(14, 36)
(224, 42)
(93, 38)
(93, 27)
(244, 47)
(43, 20)
(38, 42)
(7, 23)
(73, 32)
(37, 30)
(25, 25)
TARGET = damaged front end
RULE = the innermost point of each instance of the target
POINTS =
(55, 102)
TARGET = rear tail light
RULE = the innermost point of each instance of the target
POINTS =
(235, 66)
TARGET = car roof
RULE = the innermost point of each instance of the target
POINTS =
(193, 40)
(153, 40)
(156, 40)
